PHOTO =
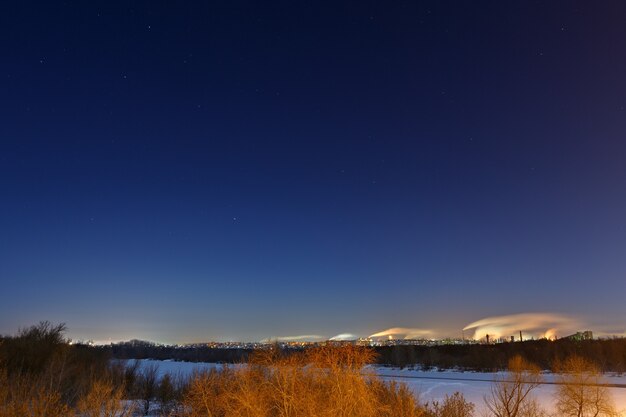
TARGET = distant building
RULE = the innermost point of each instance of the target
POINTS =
(579, 336)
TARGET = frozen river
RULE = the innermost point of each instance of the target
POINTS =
(434, 385)
(430, 385)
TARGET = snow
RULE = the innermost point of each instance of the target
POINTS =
(173, 368)
(434, 385)
(428, 385)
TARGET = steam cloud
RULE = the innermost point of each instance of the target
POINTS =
(299, 338)
(344, 336)
(547, 325)
(535, 325)
(403, 333)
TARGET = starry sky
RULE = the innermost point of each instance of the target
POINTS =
(232, 170)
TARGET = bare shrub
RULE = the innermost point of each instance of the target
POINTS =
(395, 399)
(325, 381)
(104, 400)
(147, 384)
(454, 405)
(24, 395)
(203, 397)
(167, 394)
(581, 393)
(43, 375)
(510, 394)
(131, 373)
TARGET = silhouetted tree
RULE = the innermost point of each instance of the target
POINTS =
(147, 384)
(166, 394)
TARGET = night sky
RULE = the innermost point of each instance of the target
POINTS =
(189, 171)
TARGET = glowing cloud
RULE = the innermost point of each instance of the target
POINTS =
(403, 333)
(538, 325)
(299, 338)
(344, 336)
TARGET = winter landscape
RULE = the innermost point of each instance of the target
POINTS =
(431, 385)
(292, 208)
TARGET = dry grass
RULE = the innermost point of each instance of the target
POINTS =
(104, 400)
(22, 396)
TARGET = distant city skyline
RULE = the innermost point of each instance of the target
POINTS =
(244, 170)
(530, 325)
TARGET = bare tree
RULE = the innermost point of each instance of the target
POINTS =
(147, 384)
(167, 394)
(510, 394)
(581, 392)
(130, 377)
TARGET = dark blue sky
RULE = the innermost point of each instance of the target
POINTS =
(243, 170)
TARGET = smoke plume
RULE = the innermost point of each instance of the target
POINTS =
(535, 325)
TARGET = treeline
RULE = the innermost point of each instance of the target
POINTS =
(608, 354)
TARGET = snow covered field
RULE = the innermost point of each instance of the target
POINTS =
(434, 385)
(428, 385)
